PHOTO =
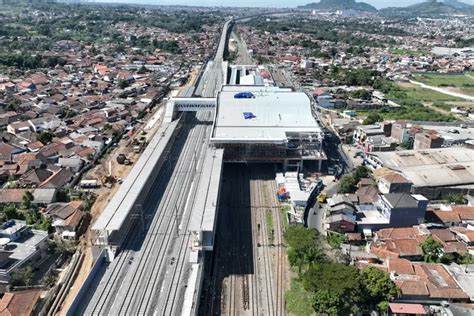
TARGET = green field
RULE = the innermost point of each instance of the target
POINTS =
(406, 52)
(424, 95)
(440, 80)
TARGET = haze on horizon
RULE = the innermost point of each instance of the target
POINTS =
(262, 3)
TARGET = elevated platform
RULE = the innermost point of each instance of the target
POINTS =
(203, 217)
(109, 228)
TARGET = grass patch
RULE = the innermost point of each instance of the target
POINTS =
(411, 113)
(270, 229)
(406, 51)
(299, 301)
(445, 80)
(284, 217)
(443, 106)
(423, 94)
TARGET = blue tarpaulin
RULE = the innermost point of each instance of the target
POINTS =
(249, 115)
(244, 95)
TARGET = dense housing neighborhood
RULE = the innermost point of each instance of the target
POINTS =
(194, 160)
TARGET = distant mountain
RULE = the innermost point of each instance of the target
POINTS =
(340, 5)
(431, 8)
(458, 4)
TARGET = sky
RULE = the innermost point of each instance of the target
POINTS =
(265, 3)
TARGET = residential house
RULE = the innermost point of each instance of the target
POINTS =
(400, 132)
(401, 242)
(392, 210)
(15, 196)
(75, 164)
(20, 303)
(379, 143)
(66, 218)
(34, 177)
(59, 179)
(8, 117)
(454, 215)
(362, 132)
(45, 123)
(367, 195)
(341, 223)
(427, 139)
(25, 247)
(18, 127)
(404, 309)
(427, 283)
(394, 183)
(466, 236)
(7, 152)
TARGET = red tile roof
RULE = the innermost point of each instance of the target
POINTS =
(430, 280)
(19, 303)
(400, 266)
(398, 233)
(410, 309)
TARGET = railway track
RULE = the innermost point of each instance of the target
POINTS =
(280, 255)
(265, 247)
(135, 289)
(248, 271)
(120, 266)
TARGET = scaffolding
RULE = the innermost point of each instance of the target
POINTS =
(299, 147)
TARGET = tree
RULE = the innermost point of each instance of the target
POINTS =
(45, 137)
(11, 212)
(347, 184)
(122, 84)
(361, 94)
(26, 200)
(372, 118)
(379, 286)
(335, 280)
(456, 199)
(432, 249)
(302, 246)
(327, 302)
(360, 172)
(22, 276)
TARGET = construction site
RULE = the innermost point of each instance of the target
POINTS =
(266, 124)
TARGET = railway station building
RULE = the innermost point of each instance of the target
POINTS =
(266, 124)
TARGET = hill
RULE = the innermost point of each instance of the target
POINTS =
(458, 4)
(333, 5)
(431, 8)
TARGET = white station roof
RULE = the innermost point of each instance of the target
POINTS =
(275, 112)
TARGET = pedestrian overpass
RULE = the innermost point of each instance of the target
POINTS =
(187, 105)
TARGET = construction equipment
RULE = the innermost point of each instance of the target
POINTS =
(121, 158)
(322, 197)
